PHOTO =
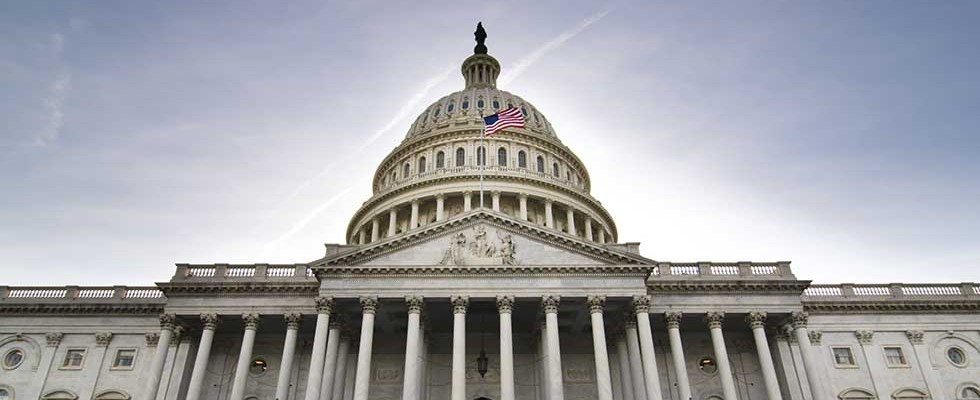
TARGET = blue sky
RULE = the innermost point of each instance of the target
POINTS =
(840, 135)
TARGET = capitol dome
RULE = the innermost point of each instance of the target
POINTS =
(434, 174)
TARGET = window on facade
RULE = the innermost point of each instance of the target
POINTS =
(125, 358)
(540, 166)
(440, 160)
(421, 165)
(465, 104)
(479, 103)
(524, 111)
(435, 114)
(522, 159)
(73, 358)
(554, 170)
(406, 170)
(13, 358)
(568, 175)
(970, 393)
(843, 357)
(460, 157)
(496, 104)
(707, 365)
(481, 156)
(258, 366)
(895, 357)
(510, 105)
(394, 176)
(502, 157)
(909, 394)
(5, 394)
(112, 395)
(59, 395)
(956, 356)
(451, 106)
(856, 394)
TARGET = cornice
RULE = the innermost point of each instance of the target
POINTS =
(426, 271)
(879, 306)
(238, 288)
(704, 286)
(82, 308)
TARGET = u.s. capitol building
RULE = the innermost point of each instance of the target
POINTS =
(525, 293)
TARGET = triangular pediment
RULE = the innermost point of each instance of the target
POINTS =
(483, 238)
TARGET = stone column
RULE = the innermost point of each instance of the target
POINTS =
(636, 365)
(324, 307)
(522, 199)
(440, 207)
(866, 339)
(921, 353)
(641, 308)
(495, 200)
(362, 381)
(714, 321)
(549, 219)
(677, 354)
(505, 305)
(603, 377)
(460, 303)
(251, 324)
(392, 222)
(588, 228)
(467, 201)
(340, 373)
(102, 340)
(330, 362)
(288, 352)
(375, 230)
(361, 235)
(813, 374)
(423, 356)
(167, 324)
(757, 321)
(543, 350)
(414, 219)
(410, 390)
(210, 322)
(556, 390)
(570, 214)
(602, 235)
(624, 366)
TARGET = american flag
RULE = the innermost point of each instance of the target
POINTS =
(509, 118)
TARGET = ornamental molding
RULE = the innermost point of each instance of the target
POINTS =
(596, 304)
(673, 319)
(369, 304)
(75, 309)
(708, 285)
(219, 288)
(815, 337)
(884, 306)
(460, 304)
(293, 320)
(152, 339)
(915, 336)
(102, 339)
(641, 304)
(53, 338)
(250, 321)
(550, 303)
(865, 337)
(756, 319)
(414, 304)
(505, 304)
(714, 319)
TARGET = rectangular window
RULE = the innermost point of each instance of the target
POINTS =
(895, 357)
(125, 358)
(843, 357)
(73, 359)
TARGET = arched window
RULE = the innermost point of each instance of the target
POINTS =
(481, 156)
(524, 111)
(554, 170)
(407, 170)
(479, 103)
(540, 165)
(59, 395)
(465, 104)
(568, 175)
(502, 157)
(6, 393)
(909, 394)
(435, 114)
(112, 395)
(451, 106)
(522, 159)
(496, 104)
(856, 394)
(421, 165)
(460, 157)
(970, 393)
(394, 176)
(440, 160)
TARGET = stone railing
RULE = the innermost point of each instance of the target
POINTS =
(253, 272)
(727, 271)
(141, 294)
(475, 170)
(896, 291)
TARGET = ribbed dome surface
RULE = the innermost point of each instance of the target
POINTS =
(472, 103)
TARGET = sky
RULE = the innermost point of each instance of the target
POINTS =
(842, 136)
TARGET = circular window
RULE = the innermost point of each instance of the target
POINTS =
(258, 367)
(13, 359)
(956, 356)
(707, 365)
(5, 394)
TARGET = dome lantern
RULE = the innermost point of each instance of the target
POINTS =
(480, 70)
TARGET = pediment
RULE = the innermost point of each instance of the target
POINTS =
(483, 239)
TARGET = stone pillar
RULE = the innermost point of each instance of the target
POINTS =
(549, 219)
(522, 199)
(53, 340)
(641, 308)
(423, 356)
(392, 222)
(210, 322)
(603, 376)
(467, 201)
(340, 373)
(866, 339)
(505, 305)
(410, 390)
(440, 207)
(677, 354)
(375, 230)
(556, 390)
(495, 200)
(361, 235)
(414, 219)
(324, 307)
(921, 353)
(588, 228)
(602, 235)
(362, 381)
(813, 374)
(460, 303)
(624, 366)
(570, 214)
(636, 365)
(757, 321)
(330, 362)
(251, 324)
(288, 352)
(543, 350)
(714, 321)
(167, 324)
(102, 340)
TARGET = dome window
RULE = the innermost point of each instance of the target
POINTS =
(407, 170)
(496, 104)
(522, 159)
(421, 165)
(540, 166)
(524, 111)
(435, 114)
(554, 170)
(510, 105)
(479, 103)
(536, 118)
(481, 156)
(451, 107)
(460, 157)
(466, 104)
(440, 160)
(502, 157)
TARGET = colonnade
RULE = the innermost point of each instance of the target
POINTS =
(633, 345)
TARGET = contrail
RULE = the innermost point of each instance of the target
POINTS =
(298, 226)
(55, 100)
(525, 62)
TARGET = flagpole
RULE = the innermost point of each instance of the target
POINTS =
(482, 134)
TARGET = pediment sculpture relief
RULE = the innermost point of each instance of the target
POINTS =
(479, 250)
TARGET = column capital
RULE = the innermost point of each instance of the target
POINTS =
(756, 319)
(788, 331)
(641, 304)
(522, 196)
(865, 337)
(550, 303)
(324, 304)
(800, 319)
(596, 303)
(505, 304)
(415, 201)
(293, 320)
(915, 336)
(168, 322)
(467, 193)
(714, 319)
(369, 304)
(210, 321)
(548, 201)
(415, 304)
(440, 196)
(673, 319)
(102, 339)
(53, 338)
(152, 338)
(815, 336)
(460, 303)
(250, 321)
